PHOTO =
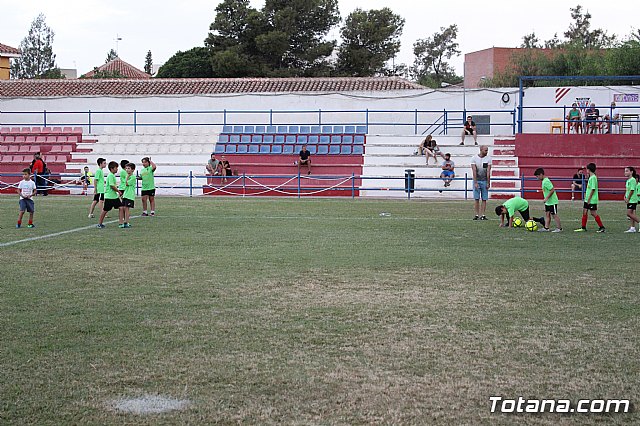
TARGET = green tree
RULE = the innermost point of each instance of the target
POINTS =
(97, 74)
(37, 59)
(285, 38)
(530, 41)
(430, 67)
(370, 39)
(580, 33)
(111, 56)
(148, 63)
(194, 63)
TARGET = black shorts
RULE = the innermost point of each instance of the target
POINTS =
(591, 207)
(111, 203)
(127, 203)
(525, 215)
(631, 206)
(468, 131)
(148, 192)
(551, 209)
(98, 197)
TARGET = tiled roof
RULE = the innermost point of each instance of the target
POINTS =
(8, 50)
(199, 86)
(121, 67)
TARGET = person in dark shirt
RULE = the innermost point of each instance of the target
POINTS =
(304, 159)
(592, 114)
(225, 168)
(576, 185)
(469, 129)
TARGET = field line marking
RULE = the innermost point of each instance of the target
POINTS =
(56, 234)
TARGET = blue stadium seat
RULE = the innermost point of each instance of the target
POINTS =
(358, 140)
(298, 148)
(294, 129)
(279, 139)
(219, 148)
(350, 129)
(276, 149)
(312, 148)
(265, 149)
(315, 129)
(305, 129)
(303, 138)
(287, 149)
(267, 139)
(345, 149)
(338, 130)
(245, 138)
(260, 129)
(357, 149)
(283, 129)
(336, 139)
(227, 129)
(290, 139)
(249, 129)
(361, 129)
(242, 149)
(234, 138)
(271, 129)
(256, 138)
(313, 139)
(231, 149)
(223, 138)
(334, 149)
(238, 129)
(323, 149)
(347, 139)
(327, 129)
(253, 149)
(324, 139)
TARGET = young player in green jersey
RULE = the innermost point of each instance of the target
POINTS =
(123, 174)
(98, 187)
(591, 200)
(509, 208)
(550, 201)
(631, 196)
(129, 194)
(148, 186)
(112, 196)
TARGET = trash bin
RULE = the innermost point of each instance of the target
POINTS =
(409, 180)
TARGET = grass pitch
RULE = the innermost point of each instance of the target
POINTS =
(318, 311)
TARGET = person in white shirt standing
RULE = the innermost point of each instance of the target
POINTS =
(26, 189)
(481, 168)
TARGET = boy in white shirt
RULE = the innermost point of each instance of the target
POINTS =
(26, 189)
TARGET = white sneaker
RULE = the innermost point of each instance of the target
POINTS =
(91, 216)
(630, 231)
(543, 230)
(557, 230)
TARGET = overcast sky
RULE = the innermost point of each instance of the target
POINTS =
(85, 30)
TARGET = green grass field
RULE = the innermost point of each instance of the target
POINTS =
(316, 311)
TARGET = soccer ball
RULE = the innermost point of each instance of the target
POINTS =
(531, 225)
(517, 222)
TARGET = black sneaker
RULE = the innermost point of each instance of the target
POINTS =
(476, 217)
(483, 217)
(601, 230)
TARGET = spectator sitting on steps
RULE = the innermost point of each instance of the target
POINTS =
(304, 159)
(448, 170)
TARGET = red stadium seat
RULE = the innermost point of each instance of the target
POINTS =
(20, 139)
(9, 139)
(31, 139)
(41, 139)
(56, 130)
(52, 139)
(46, 130)
(61, 139)
(3, 149)
(14, 148)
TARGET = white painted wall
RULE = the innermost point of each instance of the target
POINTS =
(394, 113)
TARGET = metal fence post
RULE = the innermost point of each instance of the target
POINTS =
(522, 186)
(178, 119)
(244, 183)
(44, 118)
(415, 122)
(353, 185)
(190, 183)
(466, 186)
(89, 121)
(299, 183)
(135, 121)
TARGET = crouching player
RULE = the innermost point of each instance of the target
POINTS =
(509, 208)
(129, 194)
(550, 201)
(112, 196)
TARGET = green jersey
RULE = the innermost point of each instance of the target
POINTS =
(148, 182)
(109, 192)
(123, 179)
(516, 203)
(592, 185)
(638, 189)
(547, 187)
(130, 188)
(99, 181)
(632, 185)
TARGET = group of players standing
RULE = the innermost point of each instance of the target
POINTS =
(121, 195)
(591, 200)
